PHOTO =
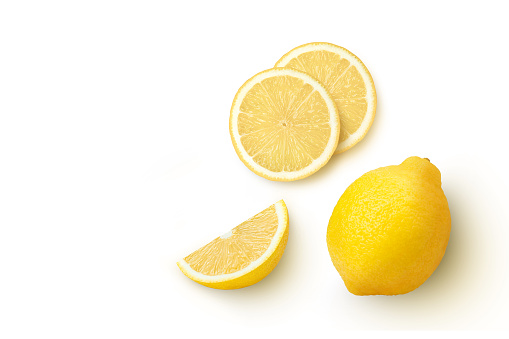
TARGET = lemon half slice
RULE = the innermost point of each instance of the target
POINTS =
(284, 125)
(243, 256)
(346, 79)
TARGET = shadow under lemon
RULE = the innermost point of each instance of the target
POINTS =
(453, 288)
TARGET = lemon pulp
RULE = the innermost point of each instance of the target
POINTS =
(284, 125)
(346, 79)
(242, 256)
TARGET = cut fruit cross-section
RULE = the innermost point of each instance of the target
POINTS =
(284, 125)
(346, 79)
(243, 256)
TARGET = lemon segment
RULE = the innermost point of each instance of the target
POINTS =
(284, 125)
(346, 79)
(242, 256)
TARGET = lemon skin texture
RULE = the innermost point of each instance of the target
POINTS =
(390, 229)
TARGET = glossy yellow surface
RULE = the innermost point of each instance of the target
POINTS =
(390, 229)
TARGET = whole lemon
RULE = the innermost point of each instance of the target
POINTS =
(390, 228)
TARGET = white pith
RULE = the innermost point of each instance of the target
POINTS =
(354, 61)
(282, 217)
(333, 122)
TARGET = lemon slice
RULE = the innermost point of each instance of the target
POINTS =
(244, 255)
(347, 80)
(284, 125)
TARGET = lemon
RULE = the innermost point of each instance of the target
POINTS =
(244, 255)
(284, 125)
(390, 228)
(347, 80)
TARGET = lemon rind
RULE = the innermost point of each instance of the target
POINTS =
(282, 215)
(366, 76)
(315, 164)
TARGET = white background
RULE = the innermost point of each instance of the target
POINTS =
(116, 161)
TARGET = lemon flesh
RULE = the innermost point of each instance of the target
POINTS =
(284, 125)
(242, 256)
(347, 80)
(390, 229)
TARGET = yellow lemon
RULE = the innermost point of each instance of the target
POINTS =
(242, 256)
(347, 80)
(284, 125)
(390, 228)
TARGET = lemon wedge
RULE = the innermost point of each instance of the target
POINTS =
(242, 256)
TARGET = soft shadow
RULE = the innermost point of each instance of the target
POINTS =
(449, 289)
